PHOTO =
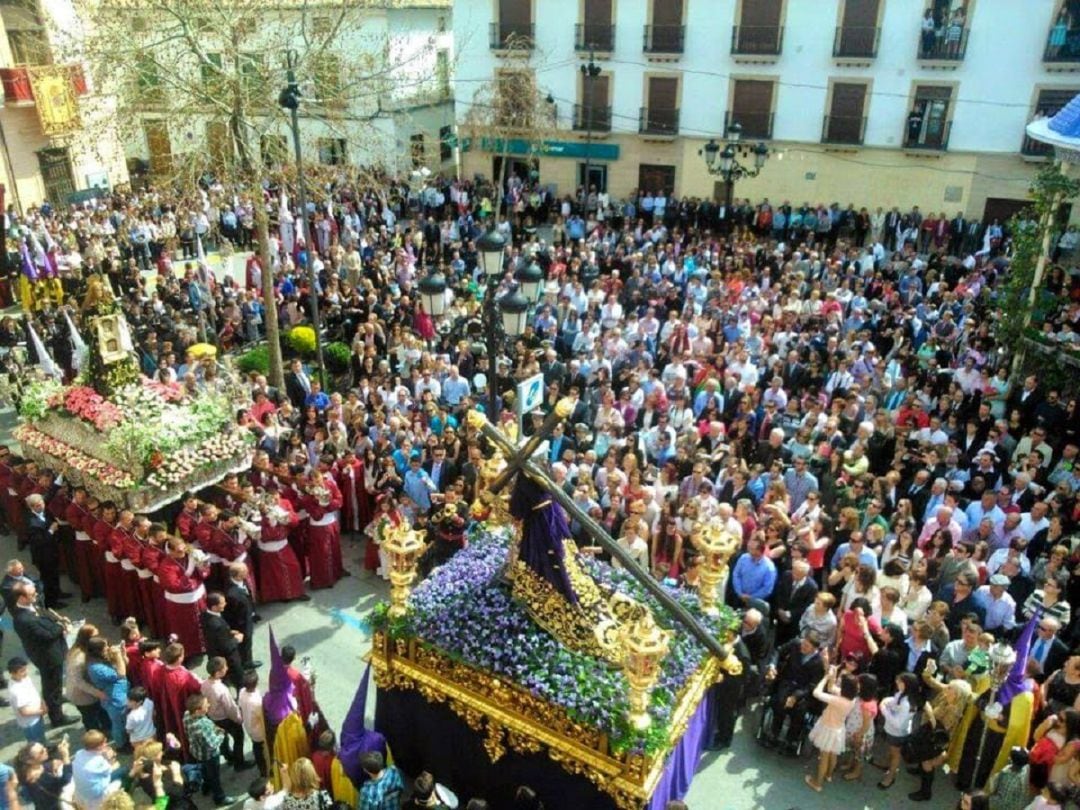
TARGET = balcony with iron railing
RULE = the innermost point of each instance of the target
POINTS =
(843, 129)
(755, 125)
(949, 46)
(664, 39)
(512, 36)
(856, 42)
(757, 40)
(593, 37)
(592, 117)
(1032, 148)
(1062, 46)
(929, 140)
(662, 121)
(19, 90)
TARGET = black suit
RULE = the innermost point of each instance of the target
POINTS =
(239, 614)
(757, 643)
(1054, 660)
(45, 645)
(795, 601)
(447, 474)
(221, 642)
(7, 589)
(295, 390)
(45, 554)
(796, 679)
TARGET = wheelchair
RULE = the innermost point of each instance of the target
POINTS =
(810, 716)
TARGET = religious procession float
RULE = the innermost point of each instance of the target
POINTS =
(525, 660)
(128, 439)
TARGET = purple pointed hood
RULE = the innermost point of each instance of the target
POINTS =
(278, 702)
(1017, 681)
(355, 738)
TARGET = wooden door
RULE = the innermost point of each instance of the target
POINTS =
(667, 20)
(751, 107)
(759, 26)
(663, 115)
(159, 147)
(594, 99)
(654, 177)
(597, 30)
(846, 112)
(858, 34)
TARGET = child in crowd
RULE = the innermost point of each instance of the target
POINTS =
(25, 699)
(140, 719)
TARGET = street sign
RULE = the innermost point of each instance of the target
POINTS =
(530, 394)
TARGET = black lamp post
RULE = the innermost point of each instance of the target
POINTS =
(589, 71)
(289, 99)
(492, 249)
(529, 279)
(724, 161)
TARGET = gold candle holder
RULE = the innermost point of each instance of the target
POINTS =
(716, 545)
(644, 647)
(404, 547)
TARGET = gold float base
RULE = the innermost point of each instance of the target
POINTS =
(511, 716)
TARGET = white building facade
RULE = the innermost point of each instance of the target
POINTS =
(399, 117)
(49, 110)
(931, 96)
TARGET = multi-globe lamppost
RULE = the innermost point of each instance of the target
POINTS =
(503, 316)
(724, 161)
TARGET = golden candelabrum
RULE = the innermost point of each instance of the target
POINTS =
(644, 646)
(404, 547)
(716, 545)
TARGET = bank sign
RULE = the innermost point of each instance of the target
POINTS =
(555, 149)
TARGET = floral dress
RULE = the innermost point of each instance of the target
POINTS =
(859, 743)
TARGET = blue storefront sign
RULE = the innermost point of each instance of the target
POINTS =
(555, 149)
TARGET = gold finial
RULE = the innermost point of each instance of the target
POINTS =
(644, 646)
(716, 545)
(404, 547)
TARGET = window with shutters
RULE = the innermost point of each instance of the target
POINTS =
(846, 119)
(752, 107)
(660, 115)
(595, 32)
(513, 30)
(1047, 105)
(147, 79)
(253, 76)
(218, 144)
(446, 143)
(326, 76)
(928, 122)
(594, 111)
(759, 30)
(331, 151)
(211, 72)
(442, 73)
(858, 35)
(274, 150)
(666, 33)
(417, 150)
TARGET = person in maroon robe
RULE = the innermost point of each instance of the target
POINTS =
(111, 573)
(188, 517)
(280, 577)
(122, 546)
(177, 684)
(145, 562)
(290, 491)
(185, 595)
(153, 554)
(150, 672)
(348, 474)
(320, 501)
(78, 515)
(230, 544)
(7, 489)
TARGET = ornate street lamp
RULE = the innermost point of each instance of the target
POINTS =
(433, 291)
(529, 279)
(723, 161)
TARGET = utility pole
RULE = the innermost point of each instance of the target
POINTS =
(289, 99)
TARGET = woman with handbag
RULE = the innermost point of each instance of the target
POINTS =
(899, 711)
(945, 710)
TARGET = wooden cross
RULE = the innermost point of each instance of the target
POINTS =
(519, 460)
